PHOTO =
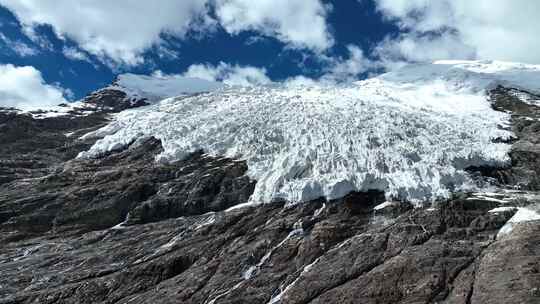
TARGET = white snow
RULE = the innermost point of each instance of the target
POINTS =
(248, 274)
(277, 298)
(522, 215)
(221, 295)
(206, 220)
(155, 88)
(409, 133)
(526, 98)
(501, 209)
(490, 73)
(318, 211)
(29, 251)
(384, 205)
(487, 198)
(209, 220)
(152, 88)
(43, 112)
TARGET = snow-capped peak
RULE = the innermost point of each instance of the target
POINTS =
(410, 133)
(157, 87)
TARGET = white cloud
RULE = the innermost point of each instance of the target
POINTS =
(165, 52)
(300, 23)
(394, 53)
(505, 30)
(24, 88)
(20, 48)
(75, 54)
(229, 74)
(348, 69)
(120, 30)
(300, 81)
(337, 69)
(24, 50)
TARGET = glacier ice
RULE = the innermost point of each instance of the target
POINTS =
(410, 133)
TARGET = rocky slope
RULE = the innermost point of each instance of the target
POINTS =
(122, 228)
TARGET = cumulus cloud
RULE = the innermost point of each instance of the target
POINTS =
(229, 74)
(300, 23)
(24, 88)
(340, 69)
(348, 69)
(120, 30)
(300, 81)
(452, 29)
(394, 53)
(337, 69)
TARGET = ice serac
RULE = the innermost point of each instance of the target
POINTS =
(410, 133)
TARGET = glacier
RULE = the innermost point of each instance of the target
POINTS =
(410, 133)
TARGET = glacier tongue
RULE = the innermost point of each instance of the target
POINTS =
(410, 133)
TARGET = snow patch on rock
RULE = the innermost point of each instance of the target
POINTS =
(384, 205)
(522, 215)
(502, 209)
(154, 88)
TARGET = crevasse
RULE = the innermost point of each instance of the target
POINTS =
(410, 133)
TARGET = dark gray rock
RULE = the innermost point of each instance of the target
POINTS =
(85, 195)
(33, 147)
(524, 172)
(110, 99)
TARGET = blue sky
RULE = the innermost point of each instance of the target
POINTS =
(246, 48)
(76, 47)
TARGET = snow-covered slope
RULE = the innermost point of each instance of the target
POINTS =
(139, 90)
(410, 133)
(155, 88)
(77, 108)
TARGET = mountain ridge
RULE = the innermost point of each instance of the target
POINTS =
(119, 227)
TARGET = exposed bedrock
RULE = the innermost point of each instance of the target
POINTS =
(33, 147)
(86, 195)
(524, 172)
(123, 228)
(321, 252)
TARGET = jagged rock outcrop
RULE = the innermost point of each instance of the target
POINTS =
(109, 99)
(525, 152)
(122, 228)
(34, 143)
(31, 147)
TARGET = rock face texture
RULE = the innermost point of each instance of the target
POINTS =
(31, 147)
(122, 228)
(113, 100)
(525, 152)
